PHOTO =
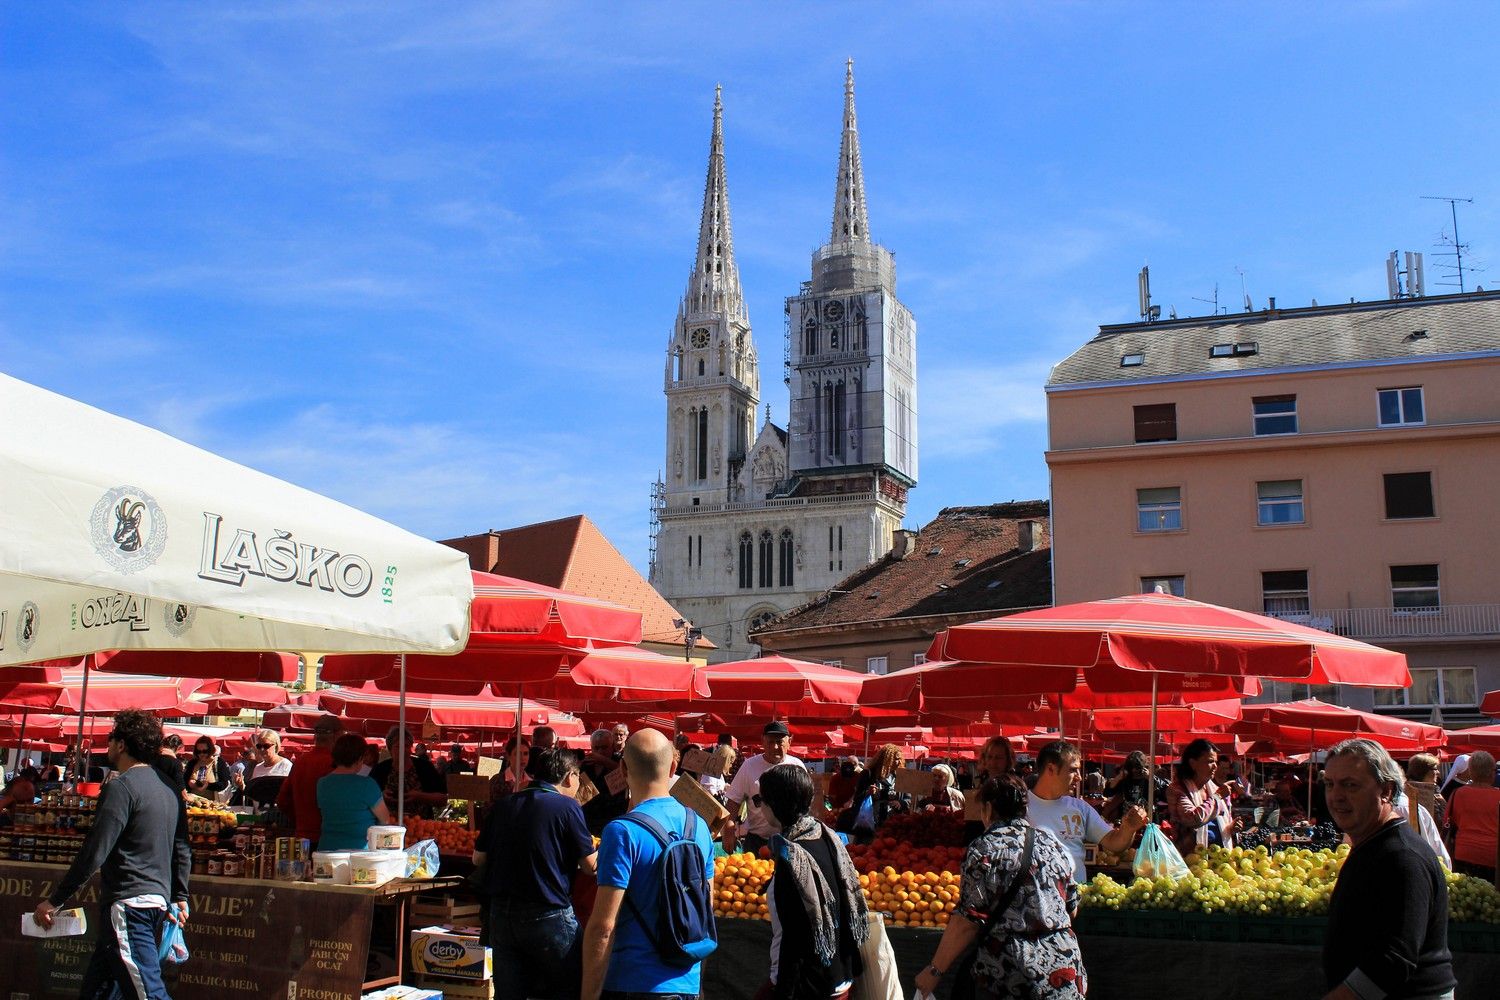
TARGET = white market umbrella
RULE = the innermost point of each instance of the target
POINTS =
(117, 536)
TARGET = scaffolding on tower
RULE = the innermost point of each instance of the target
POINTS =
(658, 501)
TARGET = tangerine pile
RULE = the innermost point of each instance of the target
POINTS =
(909, 899)
(452, 838)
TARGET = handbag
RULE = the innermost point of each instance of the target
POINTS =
(880, 980)
(963, 979)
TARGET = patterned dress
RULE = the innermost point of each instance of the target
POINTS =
(1032, 953)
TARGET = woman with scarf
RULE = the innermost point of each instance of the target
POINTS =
(817, 909)
(1012, 934)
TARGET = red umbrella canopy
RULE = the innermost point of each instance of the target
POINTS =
(482, 711)
(1491, 704)
(1311, 722)
(273, 668)
(1485, 738)
(229, 697)
(610, 674)
(107, 694)
(778, 679)
(507, 610)
(1163, 634)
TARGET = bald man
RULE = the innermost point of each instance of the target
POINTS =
(618, 957)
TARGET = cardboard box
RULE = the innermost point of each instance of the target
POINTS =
(444, 910)
(473, 787)
(690, 793)
(616, 781)
(695, 760)
(487, 767)
(586, 789)
(460, 989)
(405, 993)
(913, 782)
(437, 951)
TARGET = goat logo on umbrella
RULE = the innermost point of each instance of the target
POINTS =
(128, 528)
(26, 626)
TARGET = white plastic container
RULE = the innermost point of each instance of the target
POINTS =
(393, 864)
(331, 867)
(386, 838)
(367, 868)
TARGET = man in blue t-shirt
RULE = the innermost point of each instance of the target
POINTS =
(533, 843)
(619, 960)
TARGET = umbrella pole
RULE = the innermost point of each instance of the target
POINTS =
(21, 743)
(1151, 758)
(401, 749)
(1061, 728)
(1312, 749)
(83, 704)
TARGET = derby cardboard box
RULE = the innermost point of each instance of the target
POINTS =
(437, 951)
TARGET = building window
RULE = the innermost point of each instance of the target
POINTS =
(1283, 594)
(876, 665)
(1432, 687)
(1414, 587)
(1275, 415)
(811, 345)
(1408, 495)
(1173, 585)
(1279, 501)
(917, 659)
(765, 559)
(1159, 509)
(784, 565)
(701, 452)
(830, 548)
(1402, 406)
(700, 551)
(833, 663)
(1284, 691)
(1156, 422)
(747, 555)
(841, 548)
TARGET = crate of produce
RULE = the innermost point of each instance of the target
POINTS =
(444, 910)
(1284, 930)
(1473, 937)
(458, 989)
(1213, 927)
(439, 952)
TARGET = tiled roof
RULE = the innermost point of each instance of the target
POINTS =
(967, 559)
(1289, 338)
(572, 554)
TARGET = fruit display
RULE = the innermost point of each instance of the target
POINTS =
(1294, 882)
(907, 898)
(452, 838)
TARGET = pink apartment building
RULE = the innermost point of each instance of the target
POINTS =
(1339, 465)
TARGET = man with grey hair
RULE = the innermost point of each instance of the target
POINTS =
(1388, 918)
(600, 763)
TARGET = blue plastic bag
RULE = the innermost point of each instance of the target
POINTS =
(864, 819)
(173, 947)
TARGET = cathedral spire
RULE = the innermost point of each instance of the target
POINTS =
(715, 284)
(851, 221)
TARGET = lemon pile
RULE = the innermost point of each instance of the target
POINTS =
(908, 899)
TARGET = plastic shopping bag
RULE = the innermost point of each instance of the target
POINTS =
(1157, 857)
(173, 947)
(422, 859)
(881, 980)
(864, 819)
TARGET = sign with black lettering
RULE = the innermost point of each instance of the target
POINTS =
(247, 940)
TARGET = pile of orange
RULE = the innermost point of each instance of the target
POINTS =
(908, 899)
(452, 838)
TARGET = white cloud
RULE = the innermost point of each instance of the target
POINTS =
(967, 410)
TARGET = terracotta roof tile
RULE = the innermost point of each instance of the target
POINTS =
(572, 554)
(967, 559)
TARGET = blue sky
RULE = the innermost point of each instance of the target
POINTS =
(425, 258)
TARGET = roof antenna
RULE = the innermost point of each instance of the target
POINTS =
(1149, 313)
(1246, 295)
(1457, 251)
(1213, 301)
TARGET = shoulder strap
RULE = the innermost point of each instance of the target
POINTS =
(664, 838)
(1014, 888)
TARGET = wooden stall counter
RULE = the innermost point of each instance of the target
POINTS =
(247, 938)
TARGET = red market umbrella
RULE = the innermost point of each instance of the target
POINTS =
(1485, 738)
(507, 610)
(1313, 724)
(232, 697)
(482, 711)
(225, 665)
(107, 694)
(1160, 633)
(781, 679)
(1490, 705)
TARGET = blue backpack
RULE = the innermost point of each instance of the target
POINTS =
(685, 933)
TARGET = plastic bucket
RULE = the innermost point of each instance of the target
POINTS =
(331, 867)
(386, 838)
(367, 868)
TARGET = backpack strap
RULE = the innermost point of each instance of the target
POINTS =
(664, 838)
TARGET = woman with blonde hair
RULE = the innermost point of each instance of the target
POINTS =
(945, 796)
(875, 796)
(723, 757)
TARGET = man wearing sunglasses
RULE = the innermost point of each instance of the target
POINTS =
(139, 841)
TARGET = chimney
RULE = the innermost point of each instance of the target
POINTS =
(1028, 535)
(903, 543)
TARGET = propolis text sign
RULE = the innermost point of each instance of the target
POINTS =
(248, 940)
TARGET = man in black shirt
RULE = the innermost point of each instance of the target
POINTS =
(1388, 918)
(139, 839)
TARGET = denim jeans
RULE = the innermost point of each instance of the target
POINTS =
(537, 952)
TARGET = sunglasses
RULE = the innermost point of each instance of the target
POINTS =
(264, 746)
(198, 750)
